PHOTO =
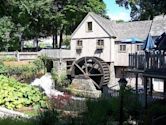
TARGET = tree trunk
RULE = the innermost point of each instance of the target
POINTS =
(61, 37)
(37, 43)
(56, 39)
(21, 43)
(53, 41)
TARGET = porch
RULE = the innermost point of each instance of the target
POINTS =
(150, 65)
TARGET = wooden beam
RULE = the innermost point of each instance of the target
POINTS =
(151, 87)
(165, 89)
(136, 83)
(145, 92)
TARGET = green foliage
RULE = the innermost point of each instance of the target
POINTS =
(38, 18)
(25, 72)
(15, 95)
(6, 33)
(66, 42)
(155, 110)
(2, 68)
(60, 79)
(48, 117)
(15, 121)
(144, 9)
(8, 58)
(98, 112)
(39, 64)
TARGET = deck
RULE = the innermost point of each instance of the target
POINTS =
(150, 64)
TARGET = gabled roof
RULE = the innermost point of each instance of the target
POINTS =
(128, 30)
(159, 25)
(137, 29)
(105, 24)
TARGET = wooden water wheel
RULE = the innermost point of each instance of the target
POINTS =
(93, 68)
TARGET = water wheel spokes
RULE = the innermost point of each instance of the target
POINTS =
(93, 68)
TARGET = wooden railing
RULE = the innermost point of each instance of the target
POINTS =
(137, 61)
(56, 53)
(153, 61)
(20, 56)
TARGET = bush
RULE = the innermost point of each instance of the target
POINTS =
(99, 112)
(60, 79)
(3, 68)
(8, 58)
(47, 117)
(15, 121)
(26, 72)
(15, 95)
(39, 64)
(154, 111)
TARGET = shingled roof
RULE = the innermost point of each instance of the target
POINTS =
(159, 25)
(137, 29)
(127, 30)
(124, 30)
(106, 24)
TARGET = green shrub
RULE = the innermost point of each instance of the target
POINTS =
(60, 79)
(48, 117)
(99, 112)
(16, 121)
(3, 68)
(26, 72)
(39, 64)
(15, 95)
(8, 58)
(156, 110)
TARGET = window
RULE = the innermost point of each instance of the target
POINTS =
(122, 48)
(139, 47)
(79, 44)
(100, 44)
(89, 26)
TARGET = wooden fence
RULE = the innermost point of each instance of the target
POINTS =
(153, 61)
(20, 56)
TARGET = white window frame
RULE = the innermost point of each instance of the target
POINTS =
(139, 47)
(87, 26)
(79, 44)
(122, 48)
(100, 44)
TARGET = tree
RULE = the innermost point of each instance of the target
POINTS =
(144, 9)
(41, 18)
(74, 11)
(7, 34)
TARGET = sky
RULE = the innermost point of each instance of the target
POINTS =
(115, 12)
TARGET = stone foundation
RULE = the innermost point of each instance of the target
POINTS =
(112, 75)
(84, 87)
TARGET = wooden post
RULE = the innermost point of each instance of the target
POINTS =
(136, 60)
(165, 89)
(151, 87)
(136, 83)
(145, 91)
